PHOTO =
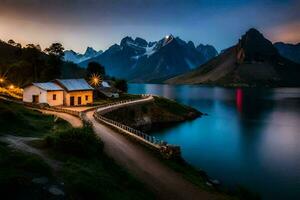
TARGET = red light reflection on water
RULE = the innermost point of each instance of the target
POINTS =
(239, 99)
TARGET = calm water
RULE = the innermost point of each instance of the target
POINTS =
(250, 136)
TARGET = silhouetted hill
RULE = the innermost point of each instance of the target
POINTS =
(253, 61)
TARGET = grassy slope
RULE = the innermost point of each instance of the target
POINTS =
(91, 173)
(15, 119)
(162, 112)
(17, 171)
(124, 96)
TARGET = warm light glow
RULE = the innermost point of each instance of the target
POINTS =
(11, 87)
(2, 80)
(95, 80)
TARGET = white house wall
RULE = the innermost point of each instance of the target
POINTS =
(33, 90)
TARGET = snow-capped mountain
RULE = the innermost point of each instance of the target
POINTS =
(142, 61)
(74, 57)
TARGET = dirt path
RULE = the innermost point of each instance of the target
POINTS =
(74, 121)
(20, 143)
(165, 182)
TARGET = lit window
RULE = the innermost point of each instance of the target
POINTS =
(54, 97)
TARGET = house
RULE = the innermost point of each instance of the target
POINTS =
(67, 92)
(49, 93)
(106, 90)
(76, 91)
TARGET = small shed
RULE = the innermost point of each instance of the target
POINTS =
(109, 92)
(49, 93)
(105, 89)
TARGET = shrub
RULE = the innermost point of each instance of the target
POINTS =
(80, 142)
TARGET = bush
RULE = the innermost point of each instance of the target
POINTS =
(80, 142)
(121, 84)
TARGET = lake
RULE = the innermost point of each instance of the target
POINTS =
(251, 137)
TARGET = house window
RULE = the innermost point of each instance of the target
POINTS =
(54, 97)
(86, 97)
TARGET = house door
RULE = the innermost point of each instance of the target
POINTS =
(35, 98)
(79, 100)
(71, 101)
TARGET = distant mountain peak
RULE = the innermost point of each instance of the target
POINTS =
(75, 57)
(139, 60)
(289, 51)
(191, 44)
(126, 40)
(253, 46)
(253, 61)
(90, 51)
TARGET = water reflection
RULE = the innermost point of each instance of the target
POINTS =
(239, 99)
(250, 137)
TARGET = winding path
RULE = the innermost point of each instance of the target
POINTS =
(74, 121)
(164, 182)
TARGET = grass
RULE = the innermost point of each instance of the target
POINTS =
(87, 171)
(174, 107)
(80, 142)
(123, 96)
(17, 120)
(162, 113)
(17, 171)
(101, 177)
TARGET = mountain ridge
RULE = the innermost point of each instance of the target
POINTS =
(72, 56)
(253, 61)
(145, 61)
(289, 51)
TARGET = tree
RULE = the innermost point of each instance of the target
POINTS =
(95, 68)
(32, 54)
(56, 49)
(11, 42)
(33, 46)
(121, 84)
(56, 53)
(18, 45)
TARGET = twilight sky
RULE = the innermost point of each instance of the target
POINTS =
(101, 23)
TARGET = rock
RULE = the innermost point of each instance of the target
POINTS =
(56, 191)
(40, 180)
(209, 184)
(215, 181)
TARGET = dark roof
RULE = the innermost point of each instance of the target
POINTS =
(108, 89)
(74, 84)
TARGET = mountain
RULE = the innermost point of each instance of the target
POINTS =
(74, 57)
(289, 51)
(253, 61)
(141, 61)
(208, 51)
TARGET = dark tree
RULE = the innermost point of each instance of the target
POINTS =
(121, 85)
(32, 54)
(33, 46)
(56, 49)
(11, 42)
(56, 53)
(18, 45)
(95, 68)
